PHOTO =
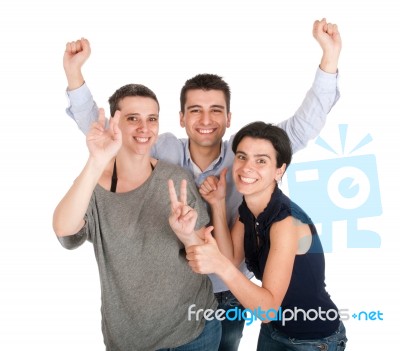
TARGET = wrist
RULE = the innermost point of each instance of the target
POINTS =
(96, 165)
(218, 205)
(225, 268)
(75, 80)
(192, 239)
(329, 63)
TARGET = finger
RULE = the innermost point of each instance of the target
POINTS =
(78, 46)
(208, 237)
(116, 117)
(68, 48)
(188, 215)
(102, 116)
(208, 186)
(85, 44)
(209, 230)
(114, 124)
(222, 176)
(203, 192)
(96, 128)
(183, 191)
(329, 28)
(172, 193)
(73, 47)
(190, 252)
(318, 27)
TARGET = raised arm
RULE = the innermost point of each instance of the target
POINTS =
(103, 144)
(82, 108)
(310, 118)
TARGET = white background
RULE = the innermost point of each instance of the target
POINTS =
(49, 297)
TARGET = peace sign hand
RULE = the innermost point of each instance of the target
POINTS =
(183, 217)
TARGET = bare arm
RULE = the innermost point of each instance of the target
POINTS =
(207, 259)
(213, 190)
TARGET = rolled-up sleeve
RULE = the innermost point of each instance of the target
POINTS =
(82, 108)
(310, 118)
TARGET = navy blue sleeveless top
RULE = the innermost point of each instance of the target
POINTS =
(307, 285)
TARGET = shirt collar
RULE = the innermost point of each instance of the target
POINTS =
(195, 168)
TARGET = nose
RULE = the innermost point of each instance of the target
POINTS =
(142, 126)
(247, 166)
(205, 118)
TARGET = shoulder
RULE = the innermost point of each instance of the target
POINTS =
(170, 139)
(284, 233)
(172, 171)
(169, 148)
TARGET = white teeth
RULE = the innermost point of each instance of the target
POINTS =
(142, 140)
(205, 131)
(248, 180)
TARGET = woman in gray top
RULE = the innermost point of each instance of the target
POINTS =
(139, 230)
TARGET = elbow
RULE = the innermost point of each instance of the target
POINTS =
(62, 228)
(59, 230)
(58, 227)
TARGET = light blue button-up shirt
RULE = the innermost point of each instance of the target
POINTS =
(305, 125)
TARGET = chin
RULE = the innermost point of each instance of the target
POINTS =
(244, 190)
(142, 151)
(208, 142)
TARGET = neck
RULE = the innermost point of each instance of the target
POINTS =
(132, 171)
(130, 166)
(203, 156)
(259, 201)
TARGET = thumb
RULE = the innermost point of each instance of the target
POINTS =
(85, 45)
(222, 176)
(208, 237)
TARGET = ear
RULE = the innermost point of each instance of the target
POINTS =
(182, 119)
(280, 172)
(228, 119)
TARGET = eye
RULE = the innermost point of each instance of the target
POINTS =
(240, 157)
(261, 161)
(195, 110)
(153, 119)
(131, 118)
(215, 110)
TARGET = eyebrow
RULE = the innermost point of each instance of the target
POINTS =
(138, 114)
(199, 106)
(256, 155)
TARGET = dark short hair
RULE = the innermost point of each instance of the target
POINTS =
(206, 82)
(130, 90)
(277, 136)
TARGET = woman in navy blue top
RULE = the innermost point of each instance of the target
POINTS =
(279, 243)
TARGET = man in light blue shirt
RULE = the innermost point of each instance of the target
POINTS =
(205, 115)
